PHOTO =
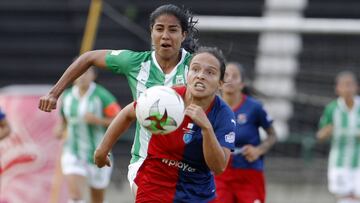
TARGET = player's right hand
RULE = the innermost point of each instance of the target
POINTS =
(101, 159)
(47, 103)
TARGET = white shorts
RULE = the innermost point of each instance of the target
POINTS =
(98, 178)
(133, 169)
(344, 181)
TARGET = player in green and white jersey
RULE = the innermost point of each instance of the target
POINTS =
(145, 72)
(86, 110)
(341, 119)
(172, 30)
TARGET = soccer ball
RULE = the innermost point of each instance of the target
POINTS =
(160, 110)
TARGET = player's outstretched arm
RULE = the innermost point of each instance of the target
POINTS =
(116, 128)
(216, 156)
(79, 66)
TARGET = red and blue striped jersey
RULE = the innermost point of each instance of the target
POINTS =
(175, 169)
(249, 116)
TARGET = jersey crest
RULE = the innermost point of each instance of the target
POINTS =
(242, 118)
(188, 135)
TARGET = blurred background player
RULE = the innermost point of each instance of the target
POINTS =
(87, 109)
(172, 30)
(341, 120)
(4, 126)
(178, 166)
(243, 181)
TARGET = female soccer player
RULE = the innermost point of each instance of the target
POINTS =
(243, 180)
(341, 122)
(178, 169)
(87, 109)
(171, 29)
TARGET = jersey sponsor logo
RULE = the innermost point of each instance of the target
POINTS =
(179, 80)
(230, 137)
(179, 164)
(116, 52)
(242, 118)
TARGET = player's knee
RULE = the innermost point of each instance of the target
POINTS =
(76, 195)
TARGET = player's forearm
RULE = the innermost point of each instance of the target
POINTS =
(215, 156)
(77, 68)
(117, 127)
(266, 145)
(324, 133)
(105, 121)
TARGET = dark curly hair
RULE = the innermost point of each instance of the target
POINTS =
(186, 20)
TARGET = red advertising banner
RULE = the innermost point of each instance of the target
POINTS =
(29, 157)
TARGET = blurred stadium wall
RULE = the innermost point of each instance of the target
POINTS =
(291, 50)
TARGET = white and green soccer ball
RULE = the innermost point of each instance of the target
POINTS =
(160, 110)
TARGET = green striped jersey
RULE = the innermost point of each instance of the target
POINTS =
(143, 71)
(345, 143)
(82, 138)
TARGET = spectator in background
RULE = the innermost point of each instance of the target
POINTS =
(341, 120)
(243, 180)
(4, 126)
(87, 109)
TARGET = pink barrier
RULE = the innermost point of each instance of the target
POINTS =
(29, 157)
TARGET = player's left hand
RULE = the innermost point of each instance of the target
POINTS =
(251, 153)
(197, 114)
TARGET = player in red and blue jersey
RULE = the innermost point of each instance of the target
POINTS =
(243, 181)
(179, 165)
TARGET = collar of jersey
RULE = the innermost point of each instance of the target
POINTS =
(343, 106)
(183, 54)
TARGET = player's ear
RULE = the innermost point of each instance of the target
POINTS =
(184, 34)
(221, 82)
